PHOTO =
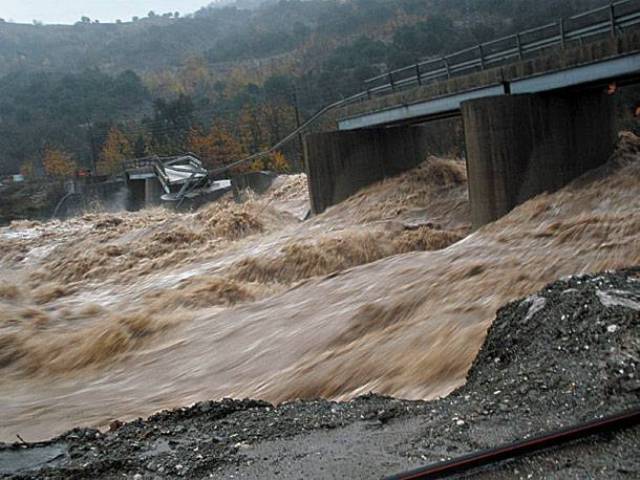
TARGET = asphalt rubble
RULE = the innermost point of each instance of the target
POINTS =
(568, 354)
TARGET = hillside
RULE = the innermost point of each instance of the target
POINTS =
(223, 34)
(224, 75)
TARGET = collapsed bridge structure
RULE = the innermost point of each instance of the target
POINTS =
(181, 178)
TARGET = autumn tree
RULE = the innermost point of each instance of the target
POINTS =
(275, 162)
(280, 117)
(27, 169)
(117, 148)
(227, 149)
(199, 143)
(195, 75)
(252, 129)
(279, 163)
(58, 163)
(216, 148)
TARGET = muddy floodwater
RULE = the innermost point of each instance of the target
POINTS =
(116, 316)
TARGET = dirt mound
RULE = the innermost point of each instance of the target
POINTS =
(578, 335)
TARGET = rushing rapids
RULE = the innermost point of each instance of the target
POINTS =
(119, 315)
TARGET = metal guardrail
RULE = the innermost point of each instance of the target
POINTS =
(610, 19)
(140, 163)
(607, 20)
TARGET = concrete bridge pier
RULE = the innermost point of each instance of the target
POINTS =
(520, 146)
(152, 191)
(137, 193)
(340, 163)
(143, 192)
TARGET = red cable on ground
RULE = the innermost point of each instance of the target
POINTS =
(444, 469)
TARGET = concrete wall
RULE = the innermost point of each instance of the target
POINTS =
(152, 192)
(258, 182)
(90, 194)
(520, 146)
(33, 199)
(137, 192)
(341, 163)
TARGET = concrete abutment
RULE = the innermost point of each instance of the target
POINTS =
(523, 145)
(136, 190)
(342, 162)
(152, 192)
(143, 192)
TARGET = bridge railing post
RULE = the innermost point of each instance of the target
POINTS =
(519, 45)
(612, 17)
(391, 82)
(418, 74)
(447, 66)
(481, 50)
(563, 36)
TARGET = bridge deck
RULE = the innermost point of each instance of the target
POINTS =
(593, 64)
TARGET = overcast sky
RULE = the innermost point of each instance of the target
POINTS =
(70, 11)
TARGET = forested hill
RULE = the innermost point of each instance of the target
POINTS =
(229, 34)
(220, 81)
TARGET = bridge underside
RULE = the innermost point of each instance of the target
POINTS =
(143, 191)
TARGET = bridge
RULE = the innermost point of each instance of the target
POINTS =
(537, 109)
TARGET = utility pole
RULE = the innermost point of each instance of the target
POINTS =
(298, 124)
(92, 149)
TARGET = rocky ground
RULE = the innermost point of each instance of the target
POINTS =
(565, 355)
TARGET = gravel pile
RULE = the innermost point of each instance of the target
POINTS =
(568, 354)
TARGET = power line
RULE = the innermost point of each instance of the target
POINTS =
(150, 129)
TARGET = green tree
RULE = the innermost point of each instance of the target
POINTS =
(171, 123)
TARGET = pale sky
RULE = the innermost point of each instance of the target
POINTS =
(70, 11)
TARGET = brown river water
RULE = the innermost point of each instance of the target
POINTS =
(116, 316)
